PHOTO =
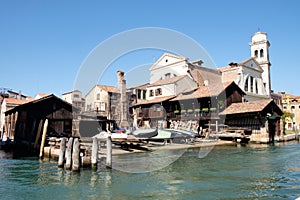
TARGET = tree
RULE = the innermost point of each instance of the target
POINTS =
(284, 117)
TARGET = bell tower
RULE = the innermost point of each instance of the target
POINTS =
(260, 51)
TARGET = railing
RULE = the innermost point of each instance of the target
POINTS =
(194, 113)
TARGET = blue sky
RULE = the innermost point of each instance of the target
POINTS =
(44, 43)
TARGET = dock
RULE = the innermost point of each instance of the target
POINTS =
(94, 152)
(89, 151)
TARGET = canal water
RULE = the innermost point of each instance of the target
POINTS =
(227, 172)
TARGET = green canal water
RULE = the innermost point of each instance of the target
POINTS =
(227, 172)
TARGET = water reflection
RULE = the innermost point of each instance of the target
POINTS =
(146, 162)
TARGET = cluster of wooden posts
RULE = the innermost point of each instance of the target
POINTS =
(72, 158)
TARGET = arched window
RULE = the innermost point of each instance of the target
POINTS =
(168, 75)
(256, 87)
(251, 83)
(261, 53)
(246, 85)
(256, 53)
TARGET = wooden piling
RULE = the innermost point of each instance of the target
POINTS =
(109, 152)
(62, 152)
(76, 155)
(38, 135)
(43, 138)
(69, 154)
(94, 153)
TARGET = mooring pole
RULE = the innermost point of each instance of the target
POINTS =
(62, 151)
(38, 134)
(94, 153)
(69, 154)
(109, 152)
(43, 138)
(76, 155)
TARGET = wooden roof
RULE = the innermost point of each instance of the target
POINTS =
(250, 107)
(42, 103)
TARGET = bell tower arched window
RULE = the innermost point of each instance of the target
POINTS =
(256, 53)
(261, 53)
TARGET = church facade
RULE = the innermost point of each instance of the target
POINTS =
(253, 74)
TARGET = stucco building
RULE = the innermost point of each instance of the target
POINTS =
(291, 103)
(75, 98)
(98, 100)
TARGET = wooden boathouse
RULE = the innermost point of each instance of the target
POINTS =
(27, 122)
(262, 118)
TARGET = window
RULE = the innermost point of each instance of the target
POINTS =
(251, 83)
(75, 95)
(256, 53)
(102, 106)
(139, 94)
(98, 96)
(144, 94)
(284, 107)
(256, 87)
(151, 93)
(158, 92)
(168, 75)
(292, 107)
(89, 107)
(246, 85)
(261, 53)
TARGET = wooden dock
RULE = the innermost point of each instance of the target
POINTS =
(73, 153)
(236, 137)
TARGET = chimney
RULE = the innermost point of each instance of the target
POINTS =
(123, 107)
(233, 64)
(19, 95)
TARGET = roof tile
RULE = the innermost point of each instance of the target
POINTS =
(246, 107)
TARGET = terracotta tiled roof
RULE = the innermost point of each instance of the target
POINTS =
(246, 107)
(156, 100)
(141, 86)
(225, 68)
(167, 80)
(108, 88)
(291, 96)
(203, 91)
(201, 74)
(16, 101)
(30, 98)
(41, 95)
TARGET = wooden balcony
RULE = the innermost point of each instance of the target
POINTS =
(195, 114)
